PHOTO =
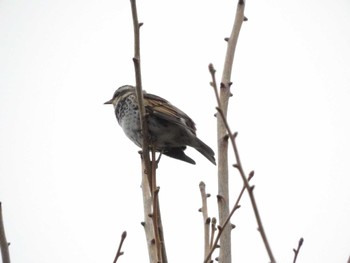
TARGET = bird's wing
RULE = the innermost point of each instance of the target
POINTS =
(165, 110)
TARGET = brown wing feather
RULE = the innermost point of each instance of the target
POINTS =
(164, 109)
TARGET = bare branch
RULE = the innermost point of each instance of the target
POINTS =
(155, 191)
(148, 223)
(119, 252)
(150, 196)
(239, 166)
(223, 181)
(206, 219)
(213, 229)
(5, 254)
(296, 251)
(137, 66)
(215, 243)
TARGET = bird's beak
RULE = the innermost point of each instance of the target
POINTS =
(109, 102)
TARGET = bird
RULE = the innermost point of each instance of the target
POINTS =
(170, 130)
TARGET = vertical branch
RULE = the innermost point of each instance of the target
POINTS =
(137, 66)
(206, 219)
(153, 227)
(249, 188)
(155, 214)
(3, 242)
(148, 223)
(223, 182)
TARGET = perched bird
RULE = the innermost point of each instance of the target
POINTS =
(170, 130)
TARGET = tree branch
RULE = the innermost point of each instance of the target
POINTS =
(239, 166)
(223, 182)
(119, 252)
(139, 93)
(149, 170)
(5, 254)
(235, 207)
(296, 251)
(206, 219)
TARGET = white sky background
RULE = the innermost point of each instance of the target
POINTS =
(69, 178)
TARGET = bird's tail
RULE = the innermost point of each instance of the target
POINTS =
(178, 153)
(205, 150)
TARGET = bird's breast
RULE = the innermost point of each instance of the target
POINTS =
(128, 117)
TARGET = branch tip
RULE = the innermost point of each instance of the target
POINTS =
(301, 241)
(211, 68)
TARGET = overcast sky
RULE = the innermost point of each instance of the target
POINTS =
(69, 178)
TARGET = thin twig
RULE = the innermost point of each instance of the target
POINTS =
(5, 254)
(296, 251)
(206, 219)
(119, 252)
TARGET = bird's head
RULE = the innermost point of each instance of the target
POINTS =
(120, 93)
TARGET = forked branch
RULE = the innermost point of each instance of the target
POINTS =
(239, 167)
(236, 206)
(296, 251)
